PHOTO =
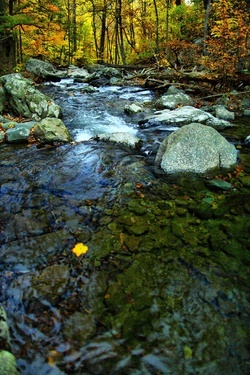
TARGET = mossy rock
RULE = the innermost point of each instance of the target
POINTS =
(8, 364)
(78, 328)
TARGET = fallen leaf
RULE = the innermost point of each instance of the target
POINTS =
(51, 358)
(80, 249)
(121, 238)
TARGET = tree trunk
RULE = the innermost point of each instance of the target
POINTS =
(119, 15)
(74, 26)
(167, 19)
(7, 43)
(156, 28)
(206, 26)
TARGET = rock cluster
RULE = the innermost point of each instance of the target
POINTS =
(42, 113)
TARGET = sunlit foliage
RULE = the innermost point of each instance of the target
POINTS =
(129, 31)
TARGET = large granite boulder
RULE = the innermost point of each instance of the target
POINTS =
(195, 148)
(51, 130)
(75, 72)
(25, 100)
(172, 101)
(223, 113)
(184, 116)
(42, 69)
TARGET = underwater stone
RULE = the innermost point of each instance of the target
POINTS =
(51, 283)
(78, 328)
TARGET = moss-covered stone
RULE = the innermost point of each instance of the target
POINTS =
(8, 364)
(78, 328)
(51, 283)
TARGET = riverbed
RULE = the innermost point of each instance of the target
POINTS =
(162, 286)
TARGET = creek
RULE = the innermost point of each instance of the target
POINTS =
(164, 285)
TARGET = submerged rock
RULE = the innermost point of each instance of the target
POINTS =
(195, 148)
(51, 283)
(78, 328)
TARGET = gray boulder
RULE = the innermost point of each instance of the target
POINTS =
(132, 108)
(123, 138)
(42, 69)
(195, 148)
(103, 76)
(223, 113)
(174, 90)
(246, 112)
(17, 135)
(51, 130)
(25, 100)
(172, 101)
(184, 116)
(16, 132)
(75, 72)
(247, 141)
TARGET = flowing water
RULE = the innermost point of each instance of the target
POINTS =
(164, 285)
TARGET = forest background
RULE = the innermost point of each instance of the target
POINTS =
(201, 34)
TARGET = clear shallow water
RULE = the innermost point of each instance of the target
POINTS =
(164, 286)
(90, 114)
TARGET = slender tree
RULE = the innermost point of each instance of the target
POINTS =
(207, 4)
(7, 38)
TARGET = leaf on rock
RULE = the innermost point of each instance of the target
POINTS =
(80, 249)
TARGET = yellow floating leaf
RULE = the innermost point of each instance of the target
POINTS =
(52, 357)
(80, 249)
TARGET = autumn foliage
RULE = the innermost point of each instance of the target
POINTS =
(169, 33)
(228, 42)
